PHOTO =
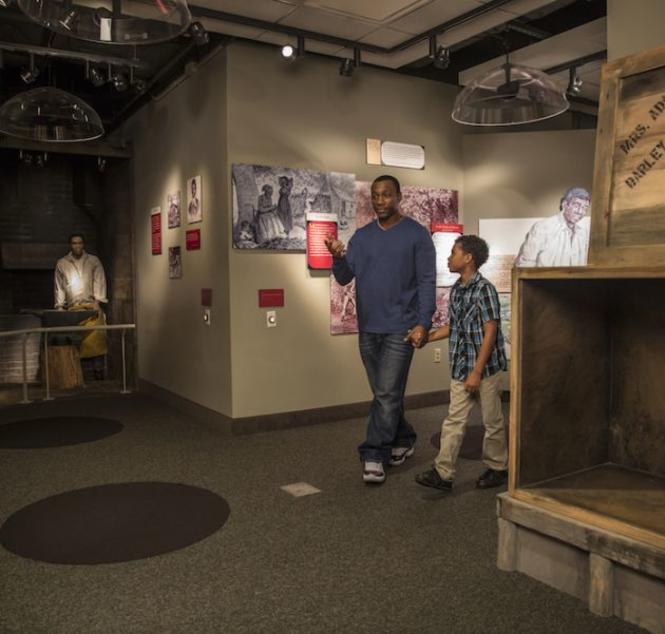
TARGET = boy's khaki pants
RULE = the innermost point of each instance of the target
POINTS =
(495, 454)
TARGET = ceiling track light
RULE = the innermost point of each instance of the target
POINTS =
(440, 55)
(199, 34)
(574, 83)
(120, 81)
(349, 65)
(96, 77)
(28, 75)
(291, 53)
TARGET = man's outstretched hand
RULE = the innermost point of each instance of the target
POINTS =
(336, 247)
(417, 336)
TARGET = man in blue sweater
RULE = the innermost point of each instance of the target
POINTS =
(394, 264)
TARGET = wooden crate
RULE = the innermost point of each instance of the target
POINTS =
(628, 203)
(588, 402)
(586, 495)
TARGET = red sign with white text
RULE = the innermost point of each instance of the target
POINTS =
(156, 232)
(193, 239)
(319, 227)
(438, 227)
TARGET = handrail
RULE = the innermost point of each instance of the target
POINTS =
(27, 331)
(55, 329)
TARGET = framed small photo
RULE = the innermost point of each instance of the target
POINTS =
(194, 203)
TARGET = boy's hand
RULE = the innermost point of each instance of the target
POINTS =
(417, 336)
(472, 383)
(336, 247)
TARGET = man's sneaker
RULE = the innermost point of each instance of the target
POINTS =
(492, 478)
(398, 455)
(373, 472)
(432, 479)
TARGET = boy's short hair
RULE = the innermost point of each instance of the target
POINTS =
(388, 177)
(76, 235)
(476, 246)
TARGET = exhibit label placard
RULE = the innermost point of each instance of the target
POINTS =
(156, 230)
(320, 227)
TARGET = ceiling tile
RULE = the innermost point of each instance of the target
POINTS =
(433, 14)
(229, 28)
(399, 59)
(327, 23)
(368, 10)
(257, 9)
(385, 37)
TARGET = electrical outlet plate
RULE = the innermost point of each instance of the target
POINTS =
(206, 316)
(437, 355)
(271, 318)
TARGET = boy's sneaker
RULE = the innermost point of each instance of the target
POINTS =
(492, 478)
(373, 472)
(398, 455)
(432, 479)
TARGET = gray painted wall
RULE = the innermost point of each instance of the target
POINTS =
(247, 105)
(306, 115)
(179, 136)
(634, 26)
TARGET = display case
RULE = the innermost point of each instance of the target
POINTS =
(585, 507)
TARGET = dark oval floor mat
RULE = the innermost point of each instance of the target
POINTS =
(57, 431)
(114, 522)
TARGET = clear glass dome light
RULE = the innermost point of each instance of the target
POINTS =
(131, 22)
(509, 95)
(51, 115)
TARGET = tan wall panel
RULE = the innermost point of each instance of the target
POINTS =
(305, 115)
(174, 138)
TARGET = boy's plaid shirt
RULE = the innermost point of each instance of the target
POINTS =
(471, 305)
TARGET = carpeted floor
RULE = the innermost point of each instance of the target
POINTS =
(352, 558)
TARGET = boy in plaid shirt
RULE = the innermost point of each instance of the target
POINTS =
(477, 355)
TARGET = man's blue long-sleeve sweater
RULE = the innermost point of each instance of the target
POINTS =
(395, 271)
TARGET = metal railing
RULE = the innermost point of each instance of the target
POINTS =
(56, 329)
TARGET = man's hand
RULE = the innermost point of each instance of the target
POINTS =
(417, 336)
(336, 247)
(472, 383)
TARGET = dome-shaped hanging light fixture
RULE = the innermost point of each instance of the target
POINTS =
(509, 95)
(50, 114)
(112, 21)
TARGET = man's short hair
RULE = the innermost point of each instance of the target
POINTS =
(575, 192)
(476, 246)
(388, 177)
(76, 235)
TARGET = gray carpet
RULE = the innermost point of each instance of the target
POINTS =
(353, 558)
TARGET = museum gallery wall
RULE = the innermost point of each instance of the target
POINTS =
(194, 214)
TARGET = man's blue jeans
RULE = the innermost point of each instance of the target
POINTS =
(387, 359)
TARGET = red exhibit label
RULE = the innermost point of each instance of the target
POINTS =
(271, 297)
(156, 232)
(319, 227)
(193, 239)
(438, 227)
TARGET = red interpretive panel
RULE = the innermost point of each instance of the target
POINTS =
(319, 227)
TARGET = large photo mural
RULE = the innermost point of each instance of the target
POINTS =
(270, 204)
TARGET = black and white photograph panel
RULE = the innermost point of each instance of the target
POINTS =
(175, 263)
(194, 203)
(173, 205)
(270, 204)
(563, 238)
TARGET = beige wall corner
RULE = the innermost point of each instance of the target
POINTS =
(175, 137)
(634, 26)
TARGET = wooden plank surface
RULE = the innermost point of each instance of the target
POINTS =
(555, 521)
